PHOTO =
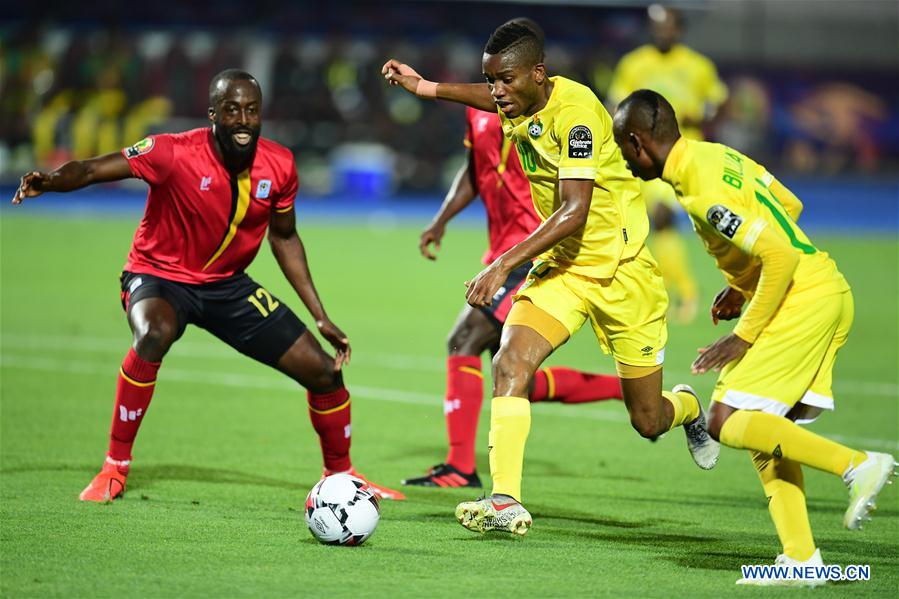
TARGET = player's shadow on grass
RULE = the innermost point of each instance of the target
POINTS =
(148, 474)
(727, 560)
(144, 477)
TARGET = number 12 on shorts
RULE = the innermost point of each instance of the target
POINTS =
(261, 295)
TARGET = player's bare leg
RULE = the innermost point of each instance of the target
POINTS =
(154, 326)
(654, 412)
(329, 405)
(472, 334)
(522, 350)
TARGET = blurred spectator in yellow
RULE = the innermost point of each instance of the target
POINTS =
(689, 81)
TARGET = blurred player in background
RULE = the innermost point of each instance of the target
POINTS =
(777, 364)
(213, 193)
(493, 171)
(690, 82)
(591, 262)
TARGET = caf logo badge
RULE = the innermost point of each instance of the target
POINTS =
(535, 129)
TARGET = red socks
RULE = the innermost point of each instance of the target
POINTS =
(137, 379)
(464, 395)
(573, 386)
(330, 415)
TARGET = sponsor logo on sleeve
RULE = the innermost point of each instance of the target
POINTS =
(724, 220)
(141, 147)
(263, 189)
(580, 142)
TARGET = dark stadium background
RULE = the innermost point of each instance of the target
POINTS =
(812, 83)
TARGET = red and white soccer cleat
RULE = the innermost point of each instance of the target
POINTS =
(380, 490)
(107, 485)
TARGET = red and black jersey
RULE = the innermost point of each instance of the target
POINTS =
(501, 183)
(203, 224)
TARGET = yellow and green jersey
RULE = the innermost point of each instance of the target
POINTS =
(687, 79)
(571, 138)
(746, 217)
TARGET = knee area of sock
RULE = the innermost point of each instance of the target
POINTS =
(715, 425)
(326, 381)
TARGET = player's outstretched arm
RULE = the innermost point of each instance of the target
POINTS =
(74, 175)
(476, 95)
(570, 217)
(291, 256)
(461, 193)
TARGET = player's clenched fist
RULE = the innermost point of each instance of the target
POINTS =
(727, 305)
(29, 186)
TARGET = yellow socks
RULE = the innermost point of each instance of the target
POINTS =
(782, 438)
(686, 407)
(510, 423)
(783, 484)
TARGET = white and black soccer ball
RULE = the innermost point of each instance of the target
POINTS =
(342, 510)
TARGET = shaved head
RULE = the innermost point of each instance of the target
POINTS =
(648, 112)
(645, 129)
(219, 85)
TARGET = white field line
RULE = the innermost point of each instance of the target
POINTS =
(276, 382)
(12, 342)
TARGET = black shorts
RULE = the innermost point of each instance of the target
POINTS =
(498, 310)
(237, 310)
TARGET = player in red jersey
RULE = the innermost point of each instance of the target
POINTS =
(213, 193)
(494, 172)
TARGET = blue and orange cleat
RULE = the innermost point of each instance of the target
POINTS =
(107, 485)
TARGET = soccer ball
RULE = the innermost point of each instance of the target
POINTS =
(342, 510)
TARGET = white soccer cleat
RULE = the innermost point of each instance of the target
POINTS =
(492, 513)
(783, 560)
(702, 447)
(865, 481)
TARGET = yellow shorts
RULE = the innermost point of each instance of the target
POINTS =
(657, 191)
(792, 360)
(627, 311)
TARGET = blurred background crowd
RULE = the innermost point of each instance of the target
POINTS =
(86, 79)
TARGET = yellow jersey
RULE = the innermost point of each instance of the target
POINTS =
(746, 217)
(571, 138)
(687, 79)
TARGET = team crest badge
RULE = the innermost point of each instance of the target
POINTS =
(141, 147)
(535, 129)
(263, 189)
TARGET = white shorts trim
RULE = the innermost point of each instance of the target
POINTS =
(817, 400)
(814, 404)
(748, 401)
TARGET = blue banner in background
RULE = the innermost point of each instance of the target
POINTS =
(832, 205)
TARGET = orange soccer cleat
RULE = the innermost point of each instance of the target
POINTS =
(107, 485)
(381, 491)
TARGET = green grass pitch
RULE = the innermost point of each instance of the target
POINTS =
(226, 454)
